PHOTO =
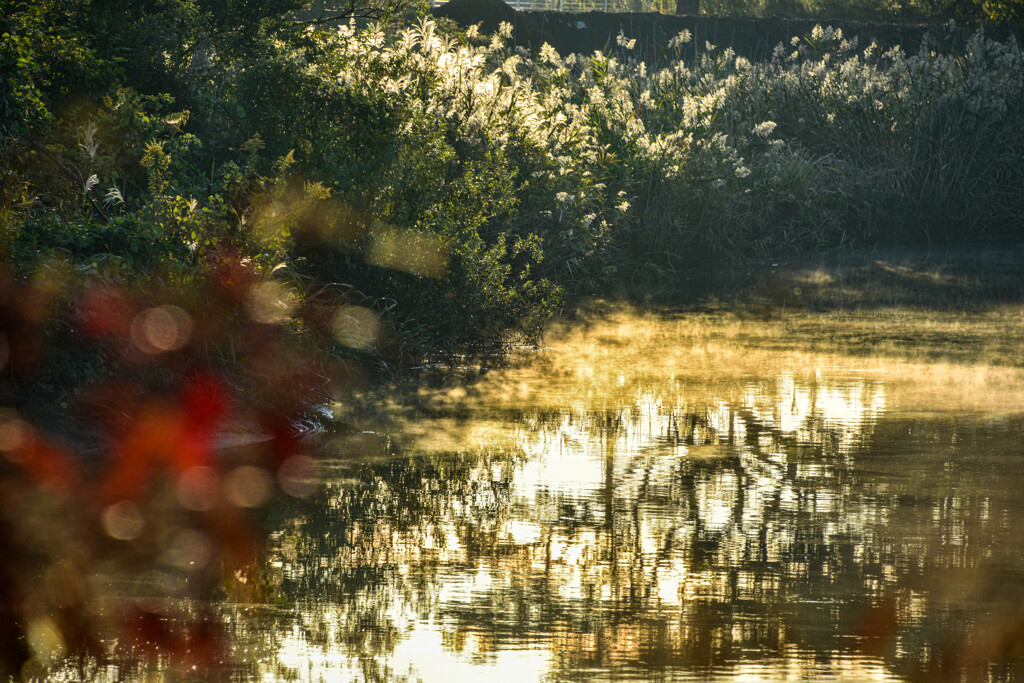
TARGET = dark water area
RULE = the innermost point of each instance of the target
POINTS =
(643, 501)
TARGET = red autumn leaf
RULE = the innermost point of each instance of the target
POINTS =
(150, 441)
(205, 401)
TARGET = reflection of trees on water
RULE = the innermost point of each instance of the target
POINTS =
(681, 535)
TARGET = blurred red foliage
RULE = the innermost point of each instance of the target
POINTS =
(182, 369)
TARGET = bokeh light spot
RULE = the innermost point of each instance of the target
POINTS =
(15, 435)
(248, 486)
(162, 328)
(123, 520)
(298, 476)
(356, 327)
(270, 302)
(45, 641)
(410, 251)
(197, 488)
(189, 550)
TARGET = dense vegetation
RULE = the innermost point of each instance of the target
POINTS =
(217, 212)
(466, 187)
(877, 11)
(909, 11)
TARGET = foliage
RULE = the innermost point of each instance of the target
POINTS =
(343, 153)
(884, 11)
(989, 12)
(922, 146)
(309, 201)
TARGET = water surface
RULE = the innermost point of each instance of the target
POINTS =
(673, 496)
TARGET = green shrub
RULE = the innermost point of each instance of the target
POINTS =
(471, 185)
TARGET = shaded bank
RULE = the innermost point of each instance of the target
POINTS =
(961, 278)
(753, 38)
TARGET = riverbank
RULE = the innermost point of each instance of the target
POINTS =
(749, 37)
(941, 328)
(259, 216)
(962, 277)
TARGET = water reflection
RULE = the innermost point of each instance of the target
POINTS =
(804, 522)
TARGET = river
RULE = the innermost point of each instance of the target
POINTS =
(672, 495)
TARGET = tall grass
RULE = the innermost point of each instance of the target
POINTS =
(620, 164)
(533, 173)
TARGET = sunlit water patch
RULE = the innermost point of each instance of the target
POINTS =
(661, 498)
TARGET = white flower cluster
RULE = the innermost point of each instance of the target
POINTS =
(765, 129)
(595, 133)
(627, 43)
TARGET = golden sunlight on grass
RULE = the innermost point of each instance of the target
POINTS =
(933, 339)
(929, 360)
(620, 357)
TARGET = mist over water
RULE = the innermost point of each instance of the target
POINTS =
(662, 496)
